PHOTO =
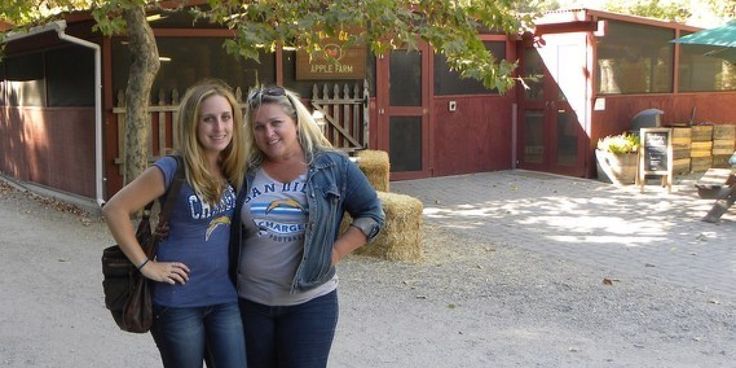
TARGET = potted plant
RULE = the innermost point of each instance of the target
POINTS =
(618, 157)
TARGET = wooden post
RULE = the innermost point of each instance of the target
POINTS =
(366, 113)
(175, 119)
(121, 135)
(161, 123)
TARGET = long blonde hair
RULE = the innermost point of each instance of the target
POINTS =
(309, 135)
(232, 158)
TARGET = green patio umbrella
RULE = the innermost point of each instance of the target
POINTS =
(717, 42)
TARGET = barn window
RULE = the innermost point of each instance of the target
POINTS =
(635, 58)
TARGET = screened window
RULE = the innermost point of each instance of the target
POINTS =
(533, 66)
(700, 72)
(405, 143)
(634, 58)
(184, 61)
(406, 78)
(70, 77)
(25, 80)
(449, 82)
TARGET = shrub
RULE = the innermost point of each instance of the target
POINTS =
(620, 143)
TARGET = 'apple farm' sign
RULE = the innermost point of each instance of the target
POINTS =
(333, 61)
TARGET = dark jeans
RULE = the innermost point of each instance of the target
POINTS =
(297, 336)
(181, 334)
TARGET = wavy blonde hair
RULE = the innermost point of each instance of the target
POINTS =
(309, 135)
(232, 158)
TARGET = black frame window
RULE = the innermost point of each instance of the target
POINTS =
(635, 58)
(449, 82)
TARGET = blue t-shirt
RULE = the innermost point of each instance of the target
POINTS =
(198, 237)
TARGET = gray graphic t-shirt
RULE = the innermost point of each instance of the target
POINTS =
(275, 215)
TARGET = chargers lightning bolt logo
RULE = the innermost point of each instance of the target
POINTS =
(214, 224)
(287, 203)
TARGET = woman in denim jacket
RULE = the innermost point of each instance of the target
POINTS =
(287, 234)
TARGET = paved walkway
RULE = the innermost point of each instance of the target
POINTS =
(655, 234)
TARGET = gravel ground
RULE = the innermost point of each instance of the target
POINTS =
(468, 303)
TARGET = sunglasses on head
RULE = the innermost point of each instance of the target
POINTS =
(256, 96)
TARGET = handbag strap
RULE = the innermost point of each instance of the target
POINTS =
(163, 217)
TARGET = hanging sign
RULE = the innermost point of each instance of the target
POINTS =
(655, 155)
(332, 61)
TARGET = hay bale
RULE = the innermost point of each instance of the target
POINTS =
(375, 165)
(401, 236)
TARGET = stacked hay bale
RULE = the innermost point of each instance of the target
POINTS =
(401, 236)
(724, 139)
(375, 166)
(701, 146)
(681, 140)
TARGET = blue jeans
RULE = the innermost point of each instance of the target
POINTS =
(181, 335)
(297, 336)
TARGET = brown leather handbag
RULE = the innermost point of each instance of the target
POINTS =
(127, 291)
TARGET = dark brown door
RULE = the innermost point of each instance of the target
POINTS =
(402, 104)
(551, 133)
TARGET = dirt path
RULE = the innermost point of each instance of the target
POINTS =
(468, 304)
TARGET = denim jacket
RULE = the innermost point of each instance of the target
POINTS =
(334, 185)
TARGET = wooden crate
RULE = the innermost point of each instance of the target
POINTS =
(723, 146)
(682, 133)
(701, 146)
(701, 164)
(722, 151)
(680, 151)
(701, 149)
(681, 166)
(700, 133)
(724, 142)
(724, 132)
(721, 161)
(681, 141)
(700, 154)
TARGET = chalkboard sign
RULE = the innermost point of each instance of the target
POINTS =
(655, 151)
(655, 155)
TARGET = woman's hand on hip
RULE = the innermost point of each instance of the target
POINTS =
(168, 272)
(335, 256)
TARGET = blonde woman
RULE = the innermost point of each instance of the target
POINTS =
(286, 225)
(194, 296)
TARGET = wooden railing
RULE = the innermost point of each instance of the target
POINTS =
(345, 114)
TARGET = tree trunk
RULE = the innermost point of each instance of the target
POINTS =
(143, 69)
